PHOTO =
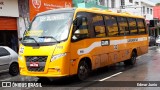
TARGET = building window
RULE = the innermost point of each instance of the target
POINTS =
(122, 2)
(143, 9)
(102, 2)
(112, 3)
(97, 2)
(147, 10)
(107, 3)
(151, 11)
(86, 1)
(131, 1)
(136, 3)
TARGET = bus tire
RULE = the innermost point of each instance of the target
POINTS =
(132, 60)
(83, 70)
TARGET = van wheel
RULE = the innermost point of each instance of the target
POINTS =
(132, 60)
(83, 70)
(14, 69)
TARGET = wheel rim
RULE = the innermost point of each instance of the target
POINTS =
(83, 71)
(133, 58)
(14, 69)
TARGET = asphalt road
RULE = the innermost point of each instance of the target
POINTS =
(116, 77)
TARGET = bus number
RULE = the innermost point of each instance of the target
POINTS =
(104, 42)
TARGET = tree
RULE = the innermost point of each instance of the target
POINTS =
(158, 4)
(24, 11)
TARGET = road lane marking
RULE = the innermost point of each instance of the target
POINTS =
(110, 76)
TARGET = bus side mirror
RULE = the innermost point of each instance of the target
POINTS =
(77, 22)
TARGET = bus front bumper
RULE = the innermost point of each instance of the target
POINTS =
(50, 73)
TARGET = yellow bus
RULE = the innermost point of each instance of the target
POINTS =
(75, 41)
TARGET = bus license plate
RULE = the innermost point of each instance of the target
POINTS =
(34, 64)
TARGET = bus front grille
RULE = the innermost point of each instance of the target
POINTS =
(39, 69)
(36, 58)
(38, 61)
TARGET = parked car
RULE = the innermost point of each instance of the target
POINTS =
(152, 41)
(158, 40)
(8, 61)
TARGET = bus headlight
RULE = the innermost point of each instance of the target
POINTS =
(54, 57)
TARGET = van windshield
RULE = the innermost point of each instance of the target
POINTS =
(48, 28)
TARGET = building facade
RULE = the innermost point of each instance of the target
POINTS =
(90, 4)
(156, 12)
(136, 7)
(9, 14)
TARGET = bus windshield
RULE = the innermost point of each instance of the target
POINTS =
(48, 28)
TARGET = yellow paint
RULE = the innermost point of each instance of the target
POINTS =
(34, 33)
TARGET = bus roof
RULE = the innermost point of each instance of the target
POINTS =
(107, 12)
(91, 10)
(57, 11)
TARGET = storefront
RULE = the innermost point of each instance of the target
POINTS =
(154, 28)
(8, 23)
(37, 6)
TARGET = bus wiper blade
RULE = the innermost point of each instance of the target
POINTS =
(50, 37)
(34, 40)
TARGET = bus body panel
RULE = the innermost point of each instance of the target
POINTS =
(101, 56)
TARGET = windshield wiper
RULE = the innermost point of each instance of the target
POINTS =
(50, 37)
(34, 40)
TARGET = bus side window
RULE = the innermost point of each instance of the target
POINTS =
(111, 25)
(82, 31)
(98, 25)
(132, 26)
(141, 26)
(123, 25)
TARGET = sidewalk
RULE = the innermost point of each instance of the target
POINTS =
(152, 47)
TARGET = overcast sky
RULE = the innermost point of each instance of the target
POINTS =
(155, 1)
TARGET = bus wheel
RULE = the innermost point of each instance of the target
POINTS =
(83, 70)
(132, 60)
